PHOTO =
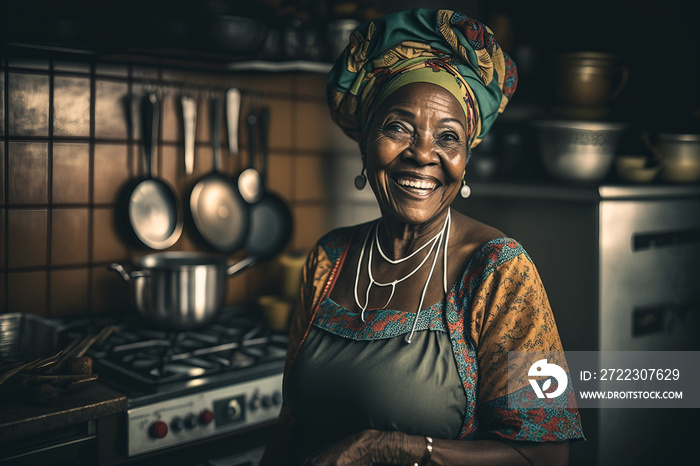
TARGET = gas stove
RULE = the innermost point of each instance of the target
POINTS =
(185, 386)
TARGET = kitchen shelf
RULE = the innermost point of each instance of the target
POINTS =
(281, 66)
(556, 191)
(176, 58)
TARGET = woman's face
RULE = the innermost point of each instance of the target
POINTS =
(416, 152)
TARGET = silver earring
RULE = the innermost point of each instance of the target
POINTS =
(361, 180)
(465, 191)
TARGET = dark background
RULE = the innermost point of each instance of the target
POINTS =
(656, 41)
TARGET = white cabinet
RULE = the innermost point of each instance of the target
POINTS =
(621, 266)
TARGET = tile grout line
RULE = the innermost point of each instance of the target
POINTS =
(318, 153)
(91, 187)
(75, 266)
(171, 83)
(131, 155)
(6, 189)
(295, 160)
(159, 129)
(49, 191)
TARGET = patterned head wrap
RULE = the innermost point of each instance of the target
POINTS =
(421, 45)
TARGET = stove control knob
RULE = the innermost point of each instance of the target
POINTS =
(159, 429)
(266, 401)
(254, 403)
(205, 417)
(177, 424)
(276, 398)
(233, 410)
(191, 421)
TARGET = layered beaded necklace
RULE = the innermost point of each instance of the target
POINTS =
(435, 244)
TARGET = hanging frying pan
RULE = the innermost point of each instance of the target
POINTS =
(153, 211)
(218, 210)
(270, 218)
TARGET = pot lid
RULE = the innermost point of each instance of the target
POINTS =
(177, 259)
(585, 125)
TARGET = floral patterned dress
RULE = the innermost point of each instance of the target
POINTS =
(498, 305)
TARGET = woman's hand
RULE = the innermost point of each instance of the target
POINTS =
(370, 447)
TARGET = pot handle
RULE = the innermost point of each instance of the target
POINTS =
(125, 275)
(624, 75)
(658, 156)
(241, 266)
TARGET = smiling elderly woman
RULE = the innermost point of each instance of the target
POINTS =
(399, 345)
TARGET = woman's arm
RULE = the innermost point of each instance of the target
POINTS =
(371, 447)
(496, 452)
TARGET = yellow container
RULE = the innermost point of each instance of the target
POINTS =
(292, 265)
(276, 311)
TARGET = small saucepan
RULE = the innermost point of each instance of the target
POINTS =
(178, 290)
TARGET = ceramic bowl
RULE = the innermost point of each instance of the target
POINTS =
(578, 151)
(632, 168)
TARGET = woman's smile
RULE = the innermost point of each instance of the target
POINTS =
(415, 185)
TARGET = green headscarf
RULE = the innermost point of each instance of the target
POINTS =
(421, 45)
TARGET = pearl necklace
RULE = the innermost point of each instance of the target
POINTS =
(435, 245)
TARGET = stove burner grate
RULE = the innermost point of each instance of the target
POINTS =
(154, 357)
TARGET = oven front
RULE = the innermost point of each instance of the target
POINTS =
(233, 448)
(188, 418)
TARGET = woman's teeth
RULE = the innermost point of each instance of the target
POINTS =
(418, 184)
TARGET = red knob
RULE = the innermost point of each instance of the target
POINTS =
(159, 429)
(205, 417)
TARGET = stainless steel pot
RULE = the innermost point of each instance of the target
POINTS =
(588, 79)
(680, 155)
(179, 290)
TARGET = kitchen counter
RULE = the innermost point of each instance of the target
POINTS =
(21, 419)
(580, 192)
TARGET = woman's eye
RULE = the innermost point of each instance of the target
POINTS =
(395, 127)
(449, 137)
